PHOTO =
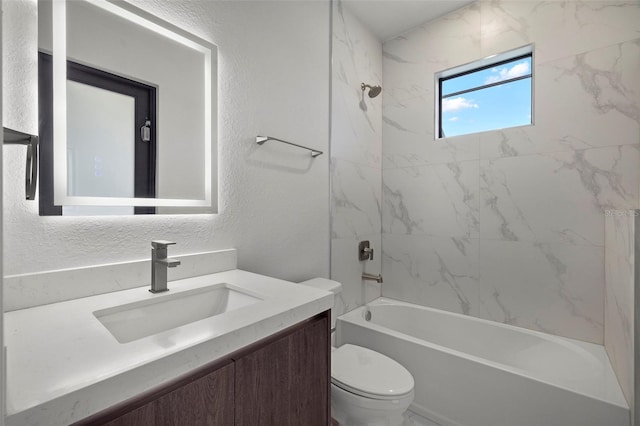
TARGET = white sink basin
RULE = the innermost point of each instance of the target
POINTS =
(163, 312)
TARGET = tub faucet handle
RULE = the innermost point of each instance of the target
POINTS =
(365, 251)
(369, 252)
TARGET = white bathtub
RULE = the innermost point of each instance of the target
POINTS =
(473, 372)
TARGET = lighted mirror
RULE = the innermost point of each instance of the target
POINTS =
(132, 119)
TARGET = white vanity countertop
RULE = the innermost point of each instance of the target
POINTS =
(64, 365)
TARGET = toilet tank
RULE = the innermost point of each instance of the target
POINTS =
(334, 287)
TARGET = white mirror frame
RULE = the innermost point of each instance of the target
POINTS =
(59, 50)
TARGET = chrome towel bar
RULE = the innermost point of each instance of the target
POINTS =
(262, 139)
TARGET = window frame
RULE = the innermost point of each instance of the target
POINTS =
(145, 109)
(481, 65)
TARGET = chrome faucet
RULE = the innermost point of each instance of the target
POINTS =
(371, 277)
(159, 265)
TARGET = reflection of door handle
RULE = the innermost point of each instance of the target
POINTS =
(145, 131)
(31, 141)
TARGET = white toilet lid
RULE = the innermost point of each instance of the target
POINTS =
(368, 373)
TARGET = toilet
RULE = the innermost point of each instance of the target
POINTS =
(367, 388)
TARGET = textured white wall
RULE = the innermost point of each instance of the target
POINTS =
(3, 381)
(356, 143)
(273, 200)
(19, 30)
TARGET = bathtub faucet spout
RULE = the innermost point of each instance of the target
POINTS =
(371, 277)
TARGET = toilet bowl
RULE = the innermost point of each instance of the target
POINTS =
(367, 387)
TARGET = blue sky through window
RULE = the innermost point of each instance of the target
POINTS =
(496, 107)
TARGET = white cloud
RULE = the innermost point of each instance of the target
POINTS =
(506, 73)
(454, 119)
(456, 104)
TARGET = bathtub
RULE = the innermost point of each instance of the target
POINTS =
(473, 372)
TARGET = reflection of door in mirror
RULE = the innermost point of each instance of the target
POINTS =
(111, 149)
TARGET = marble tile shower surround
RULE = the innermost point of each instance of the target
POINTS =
(356, 145)
(600, 87)
(347, 269)
(356, 119)
(432, 270)
(558, 28)
(508, 225)
(554, 288)
(356, 197)
(557, 197)
(620, 273)
(410, 60)
(438, 199)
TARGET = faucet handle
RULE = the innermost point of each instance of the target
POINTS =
(365, 252)
(160, 244)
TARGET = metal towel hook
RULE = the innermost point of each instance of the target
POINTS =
(13, 137)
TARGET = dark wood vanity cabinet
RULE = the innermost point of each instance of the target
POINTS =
(281, 380)
(206, 400)
(286, 382)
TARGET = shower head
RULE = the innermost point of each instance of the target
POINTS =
(373, 90)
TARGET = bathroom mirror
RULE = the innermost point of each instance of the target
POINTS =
(112, 149)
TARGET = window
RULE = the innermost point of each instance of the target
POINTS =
(489, 94)
(106, 153)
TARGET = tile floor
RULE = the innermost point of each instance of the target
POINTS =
(410, 419)
(413, 419)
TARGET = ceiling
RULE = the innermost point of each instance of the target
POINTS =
(390, 18)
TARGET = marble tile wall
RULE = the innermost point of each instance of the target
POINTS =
(620, 276)
(356, 152)
(508, 225)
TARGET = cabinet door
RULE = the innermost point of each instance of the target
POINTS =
(145, 415)
(206, 401)
(287, 381)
